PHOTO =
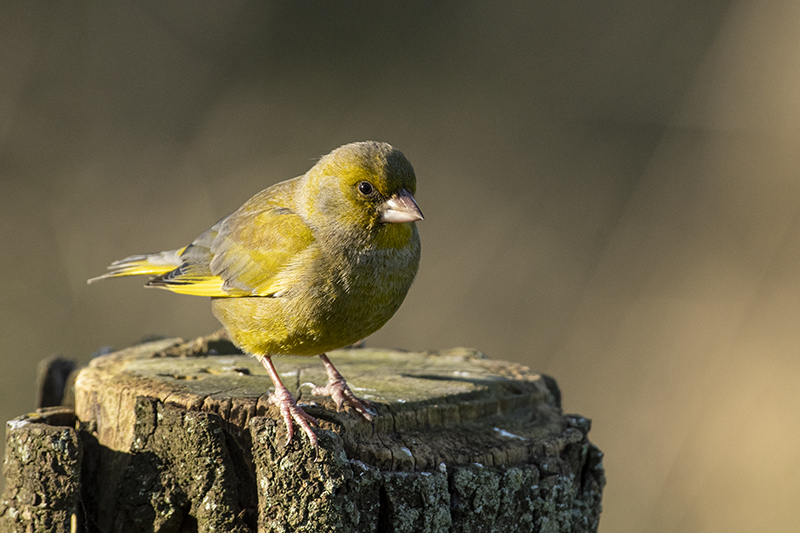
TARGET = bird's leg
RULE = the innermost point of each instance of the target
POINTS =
(338, 390)
(288, 406)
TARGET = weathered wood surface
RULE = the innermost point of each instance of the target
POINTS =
(42, 470)
(176, 440)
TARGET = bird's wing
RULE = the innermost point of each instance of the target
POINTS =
(252, 250)
(244, 253)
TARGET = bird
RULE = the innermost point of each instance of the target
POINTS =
(309, 265)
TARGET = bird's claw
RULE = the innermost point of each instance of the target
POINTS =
(341, 394)
(291, 412)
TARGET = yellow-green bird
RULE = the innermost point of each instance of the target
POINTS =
(306, 266)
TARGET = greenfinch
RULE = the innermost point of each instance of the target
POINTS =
(306, 266)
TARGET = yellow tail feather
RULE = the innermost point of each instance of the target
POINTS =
(143, 265)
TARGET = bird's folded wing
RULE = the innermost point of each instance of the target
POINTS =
(253, 249)
(242, 255)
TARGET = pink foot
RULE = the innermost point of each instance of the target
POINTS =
(290, 411)
(338, 390)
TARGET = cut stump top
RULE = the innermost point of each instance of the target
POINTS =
(452, 406)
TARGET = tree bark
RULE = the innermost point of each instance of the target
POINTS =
(177, 437)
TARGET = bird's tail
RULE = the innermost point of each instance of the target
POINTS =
(144, 265)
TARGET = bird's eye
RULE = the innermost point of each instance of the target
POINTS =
(365, 188)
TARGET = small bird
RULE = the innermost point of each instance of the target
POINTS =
(306, 266)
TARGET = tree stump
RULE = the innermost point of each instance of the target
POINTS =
(175, 437)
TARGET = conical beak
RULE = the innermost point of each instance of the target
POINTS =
(400, 208)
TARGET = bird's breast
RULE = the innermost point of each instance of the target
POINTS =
(371, 281)
(334, 297)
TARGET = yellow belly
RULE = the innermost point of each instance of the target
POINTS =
(323, 311)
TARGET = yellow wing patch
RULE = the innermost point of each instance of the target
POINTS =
(211, 287)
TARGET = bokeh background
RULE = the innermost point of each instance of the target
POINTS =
(612, 193)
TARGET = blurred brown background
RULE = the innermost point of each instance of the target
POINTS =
(611, 192)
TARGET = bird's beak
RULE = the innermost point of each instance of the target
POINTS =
(400, 208)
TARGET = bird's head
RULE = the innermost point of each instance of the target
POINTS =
(363, 187)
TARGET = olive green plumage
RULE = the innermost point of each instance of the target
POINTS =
(310, 264)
